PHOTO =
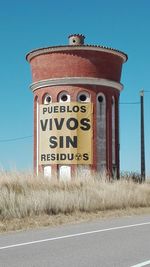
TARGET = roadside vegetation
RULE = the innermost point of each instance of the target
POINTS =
(24, 197)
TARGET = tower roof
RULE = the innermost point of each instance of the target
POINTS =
(76, 42)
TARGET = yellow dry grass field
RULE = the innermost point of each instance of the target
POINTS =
(29, 201)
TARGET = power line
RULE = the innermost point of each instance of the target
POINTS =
(29, 136)
(15, 139)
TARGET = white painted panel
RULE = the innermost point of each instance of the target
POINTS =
(48, 171)
(64, 173)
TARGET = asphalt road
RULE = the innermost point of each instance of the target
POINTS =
(119, 242)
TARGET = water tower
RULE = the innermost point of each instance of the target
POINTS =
(76, 91)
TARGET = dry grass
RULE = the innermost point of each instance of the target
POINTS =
(25, 197)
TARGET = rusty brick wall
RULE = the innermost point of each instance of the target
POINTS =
(76, 64)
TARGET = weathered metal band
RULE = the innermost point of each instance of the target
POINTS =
(75, 81)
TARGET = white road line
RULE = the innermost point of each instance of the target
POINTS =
(144, 263)
(75, 235)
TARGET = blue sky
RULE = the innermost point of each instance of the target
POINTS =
(26, 25)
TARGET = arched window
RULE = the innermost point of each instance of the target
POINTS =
(113, 131)
(101, 132)
(64, 170)
(47, 99)
(64, 97)
(83, 97)
(36, 137)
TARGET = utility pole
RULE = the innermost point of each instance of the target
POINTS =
(142, 137)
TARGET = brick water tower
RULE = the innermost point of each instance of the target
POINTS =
(76, 91)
